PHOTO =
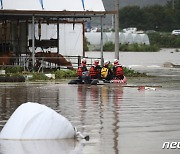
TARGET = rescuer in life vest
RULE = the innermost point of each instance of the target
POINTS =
(118, 72)
(95, 70)
(82, 69)
(106, 72)
(82, 72)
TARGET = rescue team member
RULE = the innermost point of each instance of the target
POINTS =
(106, 72)
(95, 70)
(82, 69)
(118, 72)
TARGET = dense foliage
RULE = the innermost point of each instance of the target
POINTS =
(12, 69)
(164, 40)
(12, 78)
(158, 18)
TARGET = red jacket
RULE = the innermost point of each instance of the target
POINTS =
(118, 71)
(94, 71)
(79, 71)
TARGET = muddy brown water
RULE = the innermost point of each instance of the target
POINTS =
(119, 120)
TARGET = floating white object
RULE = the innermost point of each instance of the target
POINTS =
(2, 72)
(146, 88)
(36, 121)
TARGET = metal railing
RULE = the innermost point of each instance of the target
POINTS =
(42, 63)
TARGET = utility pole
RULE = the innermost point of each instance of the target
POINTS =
(102, 57)
(117, 29)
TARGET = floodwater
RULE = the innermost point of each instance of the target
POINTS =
(119, 120)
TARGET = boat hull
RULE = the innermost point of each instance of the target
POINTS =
(98, 82)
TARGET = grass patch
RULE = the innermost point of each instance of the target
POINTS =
(60, 74)
(38, 76)
(131, 73)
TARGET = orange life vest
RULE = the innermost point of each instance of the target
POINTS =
(79, 71)
(119, 71)
(92, 71)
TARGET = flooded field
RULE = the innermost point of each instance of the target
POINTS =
(119, 120)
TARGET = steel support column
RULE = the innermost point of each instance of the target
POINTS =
(33, 42)
(117, 29)
(102, 58)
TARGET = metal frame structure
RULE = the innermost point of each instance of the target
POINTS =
(33, 16)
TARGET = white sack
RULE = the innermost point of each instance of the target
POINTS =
(36, 121)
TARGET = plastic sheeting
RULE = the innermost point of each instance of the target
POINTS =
(145, 39)
(137, 38)
(70, 38)
(124, 38)
(21, 5)
(71, 41)
(94, 5)
(111, 37)
(128, 38)
(60, 5)
(35, 121)
(95, 38)
(53, 5)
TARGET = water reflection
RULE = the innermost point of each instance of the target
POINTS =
(106, 100)
(111, 103)
(118, 94)
(117, 119)
(40, 147)
(82, 95)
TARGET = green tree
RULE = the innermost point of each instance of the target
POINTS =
(132, 16)
(156, 17)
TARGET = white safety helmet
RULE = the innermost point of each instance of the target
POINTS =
(96, 62)
(106, 62)
(116, 62)
(83, 61)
